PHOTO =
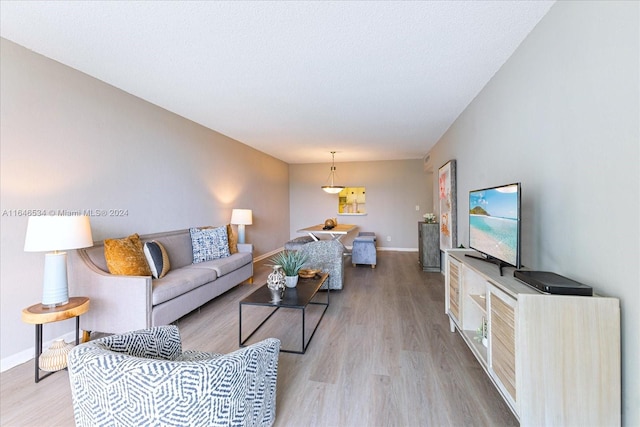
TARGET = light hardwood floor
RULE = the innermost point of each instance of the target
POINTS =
(382, 356)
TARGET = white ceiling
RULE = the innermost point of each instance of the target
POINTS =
(370, 80)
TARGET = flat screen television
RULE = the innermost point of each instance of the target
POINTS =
(494, 224)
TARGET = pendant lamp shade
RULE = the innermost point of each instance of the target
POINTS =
(332, 188)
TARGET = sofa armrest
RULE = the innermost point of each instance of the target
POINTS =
(245, 247)
(118, 303)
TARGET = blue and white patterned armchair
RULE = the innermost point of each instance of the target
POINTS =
(143, 378)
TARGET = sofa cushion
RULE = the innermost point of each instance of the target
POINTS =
(226, 265)
(209, 243)
(126, 257)
(157, 258)
(180, 281)
(178, 247)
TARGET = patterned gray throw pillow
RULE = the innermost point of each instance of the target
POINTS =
(209, 243)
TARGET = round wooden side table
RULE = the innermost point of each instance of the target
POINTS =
(39, 314)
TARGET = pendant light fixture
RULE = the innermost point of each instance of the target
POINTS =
(333, 189)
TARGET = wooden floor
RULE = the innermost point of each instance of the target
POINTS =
(382, 356)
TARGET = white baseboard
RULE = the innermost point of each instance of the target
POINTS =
(385, 248)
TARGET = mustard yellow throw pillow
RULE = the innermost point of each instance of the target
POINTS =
(126, 256)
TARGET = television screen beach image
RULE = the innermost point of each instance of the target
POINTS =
(493, 222)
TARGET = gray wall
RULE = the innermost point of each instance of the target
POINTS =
(72, 142)
(562, 117)
(393, 190)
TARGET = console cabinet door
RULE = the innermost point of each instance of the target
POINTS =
(453, 288)
(502, 341)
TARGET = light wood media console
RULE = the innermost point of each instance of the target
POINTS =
(555, 359)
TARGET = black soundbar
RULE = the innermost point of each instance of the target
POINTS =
(552, 283)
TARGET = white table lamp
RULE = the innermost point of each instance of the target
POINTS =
(56, 233)
(241, 217)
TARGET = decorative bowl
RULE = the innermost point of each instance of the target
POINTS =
(308, 273)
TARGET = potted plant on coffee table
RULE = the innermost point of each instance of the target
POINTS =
(291, 262)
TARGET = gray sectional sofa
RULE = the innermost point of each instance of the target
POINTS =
(126, 303)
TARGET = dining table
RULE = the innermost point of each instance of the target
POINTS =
(336, 233)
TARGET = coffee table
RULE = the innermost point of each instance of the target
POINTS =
(297, 298)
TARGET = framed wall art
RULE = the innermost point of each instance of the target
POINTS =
(352, 201)
(448, 205)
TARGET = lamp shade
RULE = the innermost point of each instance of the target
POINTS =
(241, 217)
(332, 188)
(54, 233)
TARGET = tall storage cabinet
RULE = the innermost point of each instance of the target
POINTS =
(429, 246)
(555, 359)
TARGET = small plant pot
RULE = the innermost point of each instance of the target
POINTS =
(291, 281)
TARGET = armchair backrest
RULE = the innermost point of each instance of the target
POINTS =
(162, 342)
(326, 255)
(140, 378)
